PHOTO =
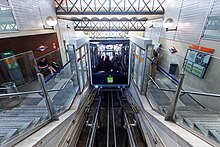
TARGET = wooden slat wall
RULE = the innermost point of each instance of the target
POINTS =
(26, 43)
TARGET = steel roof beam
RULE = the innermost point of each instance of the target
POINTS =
(109, 7)
(111, 13)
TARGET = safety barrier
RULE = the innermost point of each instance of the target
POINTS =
(165, 72)
(58, 71)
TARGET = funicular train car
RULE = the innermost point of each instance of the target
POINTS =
(109, 62)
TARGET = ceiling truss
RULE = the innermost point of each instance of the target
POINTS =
(109, 7)
(109, 24)
(103, 34)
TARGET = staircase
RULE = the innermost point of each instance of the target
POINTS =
(203, 120)
(20, 119)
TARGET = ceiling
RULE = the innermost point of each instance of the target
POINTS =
(109, 15)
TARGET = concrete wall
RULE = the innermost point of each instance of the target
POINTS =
(181, 39)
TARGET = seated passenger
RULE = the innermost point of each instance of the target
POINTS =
(43, 66)
(107, 64)
(100, 65)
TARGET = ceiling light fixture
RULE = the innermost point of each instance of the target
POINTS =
(50, 21)
(168, 24)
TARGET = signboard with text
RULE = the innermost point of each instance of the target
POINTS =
(196, 62)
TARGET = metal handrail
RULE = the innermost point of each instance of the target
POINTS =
(164, 71)
(38, 91)
(48, 79)
(129, 131)
(176, 81)
(183, 91)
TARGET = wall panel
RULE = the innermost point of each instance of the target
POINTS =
(216, 8)
(172, 11)
(31, 14)
(192, 19)
(4, 3)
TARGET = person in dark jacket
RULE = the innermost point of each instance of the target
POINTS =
(43, 66)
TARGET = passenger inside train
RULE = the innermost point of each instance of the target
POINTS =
(110, 59)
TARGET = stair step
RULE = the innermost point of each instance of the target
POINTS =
(199, 115)
(187, 108)
(24, 115)
(25, 110)
(204, 119)
(33, 120)
(7, 134)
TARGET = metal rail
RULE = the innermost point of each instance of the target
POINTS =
(92, 137)
(130, 135)
(113, 118)
(153, 132)
(108, 119)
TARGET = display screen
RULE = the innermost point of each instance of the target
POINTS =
(196, 62)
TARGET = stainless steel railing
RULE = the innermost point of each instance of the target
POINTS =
(37, 91)
(178, 91)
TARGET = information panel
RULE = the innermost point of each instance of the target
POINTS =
(196, 62)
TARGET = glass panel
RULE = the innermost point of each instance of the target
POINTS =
(19, 114)
(79, 69)
(7, 21)
(136, 64)
(83, 50)
(212, 30)
(141, 69)
(132, 58)
(200, 113)
(63, 83)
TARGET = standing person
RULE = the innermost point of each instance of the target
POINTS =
(43, 66)
(154, 64)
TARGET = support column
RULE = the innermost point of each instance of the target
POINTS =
(171, 110)
(48, 101)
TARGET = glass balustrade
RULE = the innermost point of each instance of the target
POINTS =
(23, 106)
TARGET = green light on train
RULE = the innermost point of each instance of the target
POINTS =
(109, 79)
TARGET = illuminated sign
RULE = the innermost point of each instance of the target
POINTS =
(109, 79)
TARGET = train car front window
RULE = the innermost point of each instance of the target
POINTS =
(109, 61)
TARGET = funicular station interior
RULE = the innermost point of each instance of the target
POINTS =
(114, 73)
